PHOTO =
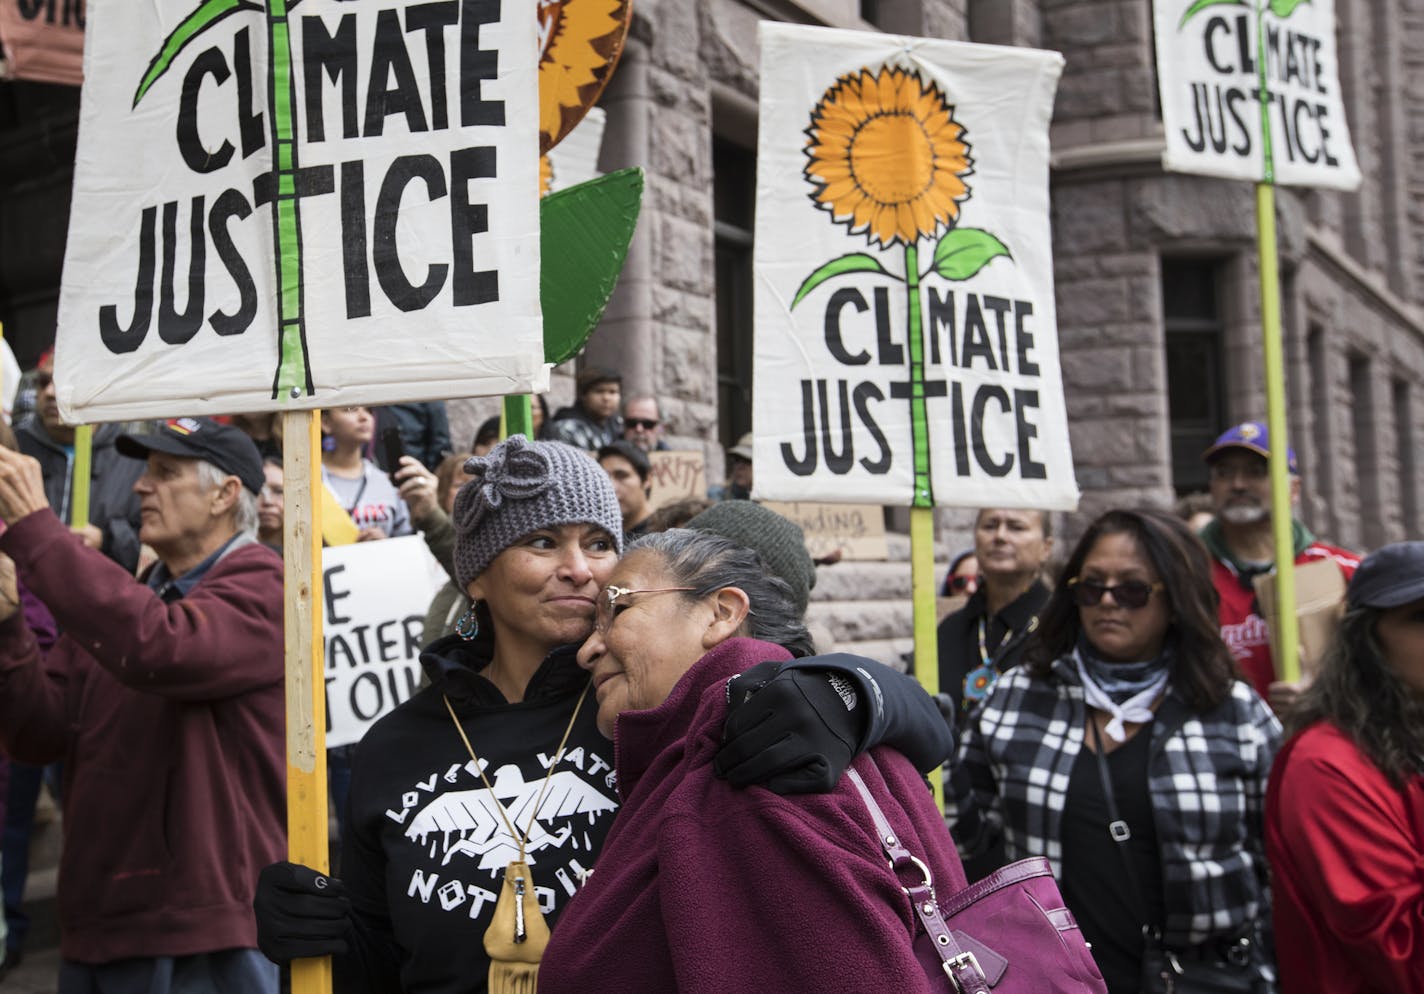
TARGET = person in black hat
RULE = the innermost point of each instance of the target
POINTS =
(1345, 805)
(593, 420)
(164, 699)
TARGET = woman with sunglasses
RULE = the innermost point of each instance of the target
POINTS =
(479, 807)
(702, 887)
(1128, 753)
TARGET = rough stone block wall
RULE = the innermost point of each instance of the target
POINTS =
(1109, 86)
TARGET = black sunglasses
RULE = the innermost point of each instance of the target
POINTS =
(959, 584)
(1131, 594)
(647, 424)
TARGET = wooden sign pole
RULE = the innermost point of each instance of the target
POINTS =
(306, 689)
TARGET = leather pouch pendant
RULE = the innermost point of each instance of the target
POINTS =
(518, 935)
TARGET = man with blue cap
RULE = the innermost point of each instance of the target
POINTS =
(1242, 548)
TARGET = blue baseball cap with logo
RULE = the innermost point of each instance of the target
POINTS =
(1251, 436)
(226, 447)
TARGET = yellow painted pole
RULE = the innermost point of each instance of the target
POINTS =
(922, 579)
(1288, 636)
(80, 476)
(306, 686)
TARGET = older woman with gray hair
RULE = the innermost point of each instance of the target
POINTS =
(702, 887)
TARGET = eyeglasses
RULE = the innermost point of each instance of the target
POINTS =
(607, 608)
(962, 583)
(1131, 594)
(647, 424)
(1254, 469)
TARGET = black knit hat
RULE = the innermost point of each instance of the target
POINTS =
(780, 542)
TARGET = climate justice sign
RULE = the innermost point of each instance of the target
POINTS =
(1247, 82)
(329, 205)
(906, 338)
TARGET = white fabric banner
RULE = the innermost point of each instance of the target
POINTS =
(1212, 66)
(376, 595)
(906, 336)
(387, 251)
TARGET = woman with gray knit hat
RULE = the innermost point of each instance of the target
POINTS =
(479, 806)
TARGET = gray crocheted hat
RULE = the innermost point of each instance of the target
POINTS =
(521, 487)
(779, 541)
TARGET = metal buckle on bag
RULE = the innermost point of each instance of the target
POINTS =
(924, 870)
(965, 960)
(1120, 831)
(1239, 952)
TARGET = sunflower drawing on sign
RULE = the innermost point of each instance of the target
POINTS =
(888, 160)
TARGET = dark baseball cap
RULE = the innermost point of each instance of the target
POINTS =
(636, 457)
(1389, 577)
(1251, 436)
(226, 447)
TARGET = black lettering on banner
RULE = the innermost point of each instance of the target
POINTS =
(174, 326)
(477, 64)
(398, 288)
(356, 272)
(888, 353)
(120, 340)
(336, 54)
(864, 393)
(386, 645)
(806, 465)
(1001, 307)
(249, 121)
(413, 639)
(834, 342)
(209, 62)
(66, 14)
(961, 434)
(433, 19)
(388, 57)
(837, 462)
(1024, 338)
(976, 428)
(369, 705)
(976, 336)
(941, 313)
(467, 219)
(333, 595)
(1027, 432)
(231, 204)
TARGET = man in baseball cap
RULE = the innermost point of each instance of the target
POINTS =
(164, 698)
(1242, 548)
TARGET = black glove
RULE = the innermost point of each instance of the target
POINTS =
(794, 732)
(300, 913)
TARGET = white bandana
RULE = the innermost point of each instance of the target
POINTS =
(1137, 708)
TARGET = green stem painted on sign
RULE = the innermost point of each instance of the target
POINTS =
(919, 423)
(1267, 154)
(293, 369)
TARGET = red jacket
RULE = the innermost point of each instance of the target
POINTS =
(1347, 862)
(703, 888)
(1242, 627)
(170, 721)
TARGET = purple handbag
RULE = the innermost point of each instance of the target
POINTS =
(1007, 934)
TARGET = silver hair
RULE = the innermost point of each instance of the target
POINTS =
(707, 562)
(245, 510)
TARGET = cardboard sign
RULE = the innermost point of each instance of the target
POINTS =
(340, 208)
(856, 530)
(1319, 605)
(43, 40)
(1239, 81)
(676, 475)
(376, 596)
(906, 335)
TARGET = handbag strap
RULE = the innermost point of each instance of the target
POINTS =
(960, 966)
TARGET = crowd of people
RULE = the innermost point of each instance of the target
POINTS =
(611, 687)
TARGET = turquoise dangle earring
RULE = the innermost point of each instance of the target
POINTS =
(467, 625)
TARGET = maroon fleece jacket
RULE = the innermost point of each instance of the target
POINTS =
(705, 889)
(170, 722)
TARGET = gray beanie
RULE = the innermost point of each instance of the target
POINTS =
(779, 541)
(521, 487)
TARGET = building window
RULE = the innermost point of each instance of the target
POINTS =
(1194, 344)
(1322, 463)
(1404, 443)
(1367, 463)
(734, 203)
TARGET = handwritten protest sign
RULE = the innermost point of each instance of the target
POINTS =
(337, 206)
(906, 337)
(43, 40)
(675, 476)
(1243, 79)
(376, 595)
(857, 531)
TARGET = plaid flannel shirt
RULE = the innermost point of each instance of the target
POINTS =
(1207, 775)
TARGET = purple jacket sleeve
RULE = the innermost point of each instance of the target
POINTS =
(223, 639)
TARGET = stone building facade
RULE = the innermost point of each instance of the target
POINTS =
(1156, 273)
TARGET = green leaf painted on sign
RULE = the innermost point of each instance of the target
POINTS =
(208, 13)
(584, 233)
(1202, 5)
(856, 262)
(964, 251)
(1285, 8)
